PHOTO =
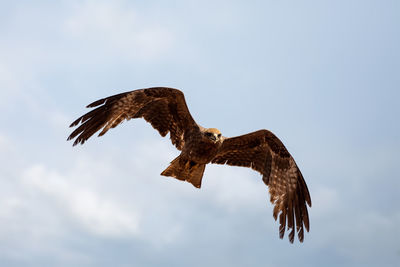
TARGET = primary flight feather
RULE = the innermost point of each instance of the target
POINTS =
(166, 110)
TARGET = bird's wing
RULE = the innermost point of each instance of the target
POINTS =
(264, 152)
(164, 108)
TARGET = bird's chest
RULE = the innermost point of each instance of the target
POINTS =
(201, 152)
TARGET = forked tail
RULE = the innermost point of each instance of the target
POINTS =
(185, 170)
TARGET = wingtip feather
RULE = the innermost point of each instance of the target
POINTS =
(96, 103)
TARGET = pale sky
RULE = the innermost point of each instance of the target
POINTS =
(324, 76)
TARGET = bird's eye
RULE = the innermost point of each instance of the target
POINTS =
(208, 134)
(219, 135)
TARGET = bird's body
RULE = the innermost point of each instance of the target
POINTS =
(203, 148)
(196, 153)
(166, 110)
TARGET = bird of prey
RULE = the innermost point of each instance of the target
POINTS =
(166, 110)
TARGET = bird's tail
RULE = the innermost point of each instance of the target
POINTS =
(185, 170)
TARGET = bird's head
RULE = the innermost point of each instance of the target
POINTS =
(213, 134)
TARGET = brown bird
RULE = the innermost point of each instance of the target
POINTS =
(166, 110)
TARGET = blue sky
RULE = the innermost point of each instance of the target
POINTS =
(324, 76)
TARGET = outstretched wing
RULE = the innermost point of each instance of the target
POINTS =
(264, 152)
(164, 108)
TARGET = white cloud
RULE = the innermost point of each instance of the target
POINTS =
(9, 84)
(8, 205)
(96, 213)
(3, 142)
(235, 188)
(110, 24)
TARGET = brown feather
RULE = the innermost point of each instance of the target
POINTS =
(185, 170)
(264, 152)
(164, 108)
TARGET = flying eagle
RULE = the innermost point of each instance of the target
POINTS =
(166, 110)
